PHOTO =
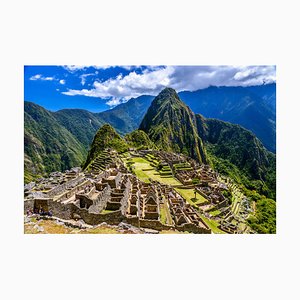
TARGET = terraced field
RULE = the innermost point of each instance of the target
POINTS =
(100, 162)
(144, 171)
(189, 196)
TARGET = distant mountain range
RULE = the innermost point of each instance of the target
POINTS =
(60, 140)
(251, 107)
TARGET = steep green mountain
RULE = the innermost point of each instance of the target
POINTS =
(238, 153)
(251, 107)
(48, 146)
(171, 125)
(139, 139)
(81, 123)
(106, 137)
(232, 149)
(127, 117)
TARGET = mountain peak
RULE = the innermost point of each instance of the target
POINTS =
(170, 124)
(106, 137)
(167, 94)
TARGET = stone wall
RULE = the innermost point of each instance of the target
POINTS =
(101, 200)
(62, 211)
(190, 227)
(69, 184)
(69, 192)
(222, 204)
(84, 200)
(153, 224)
(124, 200)
(28, 205)
(93, 219)
(68, 211)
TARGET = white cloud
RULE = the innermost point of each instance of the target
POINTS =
(35, 77)
(62, 81)
(114, 102)
(103, 67)
(41, 77)
(153, 79)
(74, 68)
(84, 76)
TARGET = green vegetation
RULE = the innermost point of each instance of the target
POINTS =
(106, 137)
(56, 141)
(182, 167)
(28, 177)
(170, 124)
(144, 171)
(48, 146)
(81, 123)
(238, 154)
(212, 224)
(264, 219)
(106, 211)
(195, 181)
(164, 170)
(126, 117)
(189, 196)
(214, 213)
(153, 160)
(139, 139)
(163, 214)
(100, 162)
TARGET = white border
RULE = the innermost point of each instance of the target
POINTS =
(156, 32)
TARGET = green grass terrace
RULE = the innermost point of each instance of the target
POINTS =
(144, 171)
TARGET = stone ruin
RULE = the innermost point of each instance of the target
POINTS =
(107, 192)
(113, 195)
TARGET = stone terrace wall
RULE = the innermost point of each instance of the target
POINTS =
(93, 219)
(190, 227)
(67, 211)
(153, 224)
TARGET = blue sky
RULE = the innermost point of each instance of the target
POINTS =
(98, 88)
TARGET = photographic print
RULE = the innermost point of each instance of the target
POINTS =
(150, 149)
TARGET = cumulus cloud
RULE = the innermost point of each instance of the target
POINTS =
(62, 81)
(154, 78)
